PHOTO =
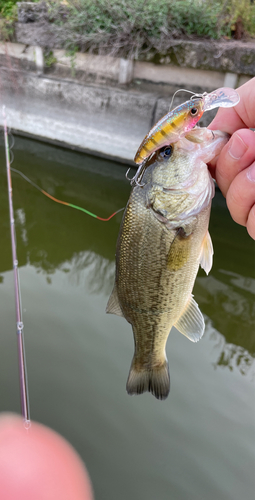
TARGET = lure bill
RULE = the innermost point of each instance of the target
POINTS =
(178, 122)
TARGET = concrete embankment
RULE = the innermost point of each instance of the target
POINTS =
(102, 105)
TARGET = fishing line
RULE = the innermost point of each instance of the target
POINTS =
(24, 397)
(189, 92)
(10, 136)
(65, 202)
(47, 194)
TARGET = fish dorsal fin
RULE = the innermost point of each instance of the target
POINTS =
(113, 305)
(191, 323)
(206, 257)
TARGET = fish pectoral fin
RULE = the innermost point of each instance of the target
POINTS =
(113, 305)
(191, 323)
(206, 257)
(179, 251)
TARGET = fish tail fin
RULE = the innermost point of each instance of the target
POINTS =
(154, 380)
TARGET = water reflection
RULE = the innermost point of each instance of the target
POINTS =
(99, 276)
(78, 358)
(228, 355)
(56, 233)
(232, 311)
(52, 237)
(247, 284)
(234, 356)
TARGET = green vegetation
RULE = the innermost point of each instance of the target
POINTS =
(49, 59)
(8, 17)
(6, 7)
(132, 28)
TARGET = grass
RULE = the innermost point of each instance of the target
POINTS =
(8, 16)
(6, 7)
(131, 28)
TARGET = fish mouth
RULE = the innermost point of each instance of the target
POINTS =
(198, 138)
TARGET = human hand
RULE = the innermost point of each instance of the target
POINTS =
(39, 464)
(234, 169)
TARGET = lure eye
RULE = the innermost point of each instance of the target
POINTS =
(166, 152)
(194, 111)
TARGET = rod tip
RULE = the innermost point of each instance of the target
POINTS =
(27, 424)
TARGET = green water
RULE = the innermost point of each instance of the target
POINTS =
(196, 445)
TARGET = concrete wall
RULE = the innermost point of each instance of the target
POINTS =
(107, 120)
(103, 105)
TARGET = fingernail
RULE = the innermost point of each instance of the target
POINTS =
(251, 173)
(237, 147)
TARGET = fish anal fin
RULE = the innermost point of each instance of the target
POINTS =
(206, 257)
(191, 322)
(154, 380)
(113, 305)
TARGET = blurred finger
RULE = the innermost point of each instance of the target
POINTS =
(241, 198)
(237, 155)
(251, 223)
(39, 464)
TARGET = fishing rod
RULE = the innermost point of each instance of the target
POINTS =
(24, 397)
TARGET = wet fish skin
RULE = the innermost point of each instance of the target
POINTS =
(162, 240)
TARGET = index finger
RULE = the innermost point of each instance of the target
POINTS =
(240, 116)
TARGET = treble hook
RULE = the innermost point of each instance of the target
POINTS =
(126, 175)
(138, 176)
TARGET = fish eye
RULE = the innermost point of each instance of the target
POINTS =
(194, 111)
(166, 152)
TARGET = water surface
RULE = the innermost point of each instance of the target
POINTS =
(199, 443)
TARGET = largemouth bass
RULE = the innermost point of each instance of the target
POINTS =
(162, 241)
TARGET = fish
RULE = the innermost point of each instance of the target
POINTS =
(175, 124)
(163, 239)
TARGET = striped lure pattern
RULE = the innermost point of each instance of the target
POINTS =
(178, 122)
(170, 128)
